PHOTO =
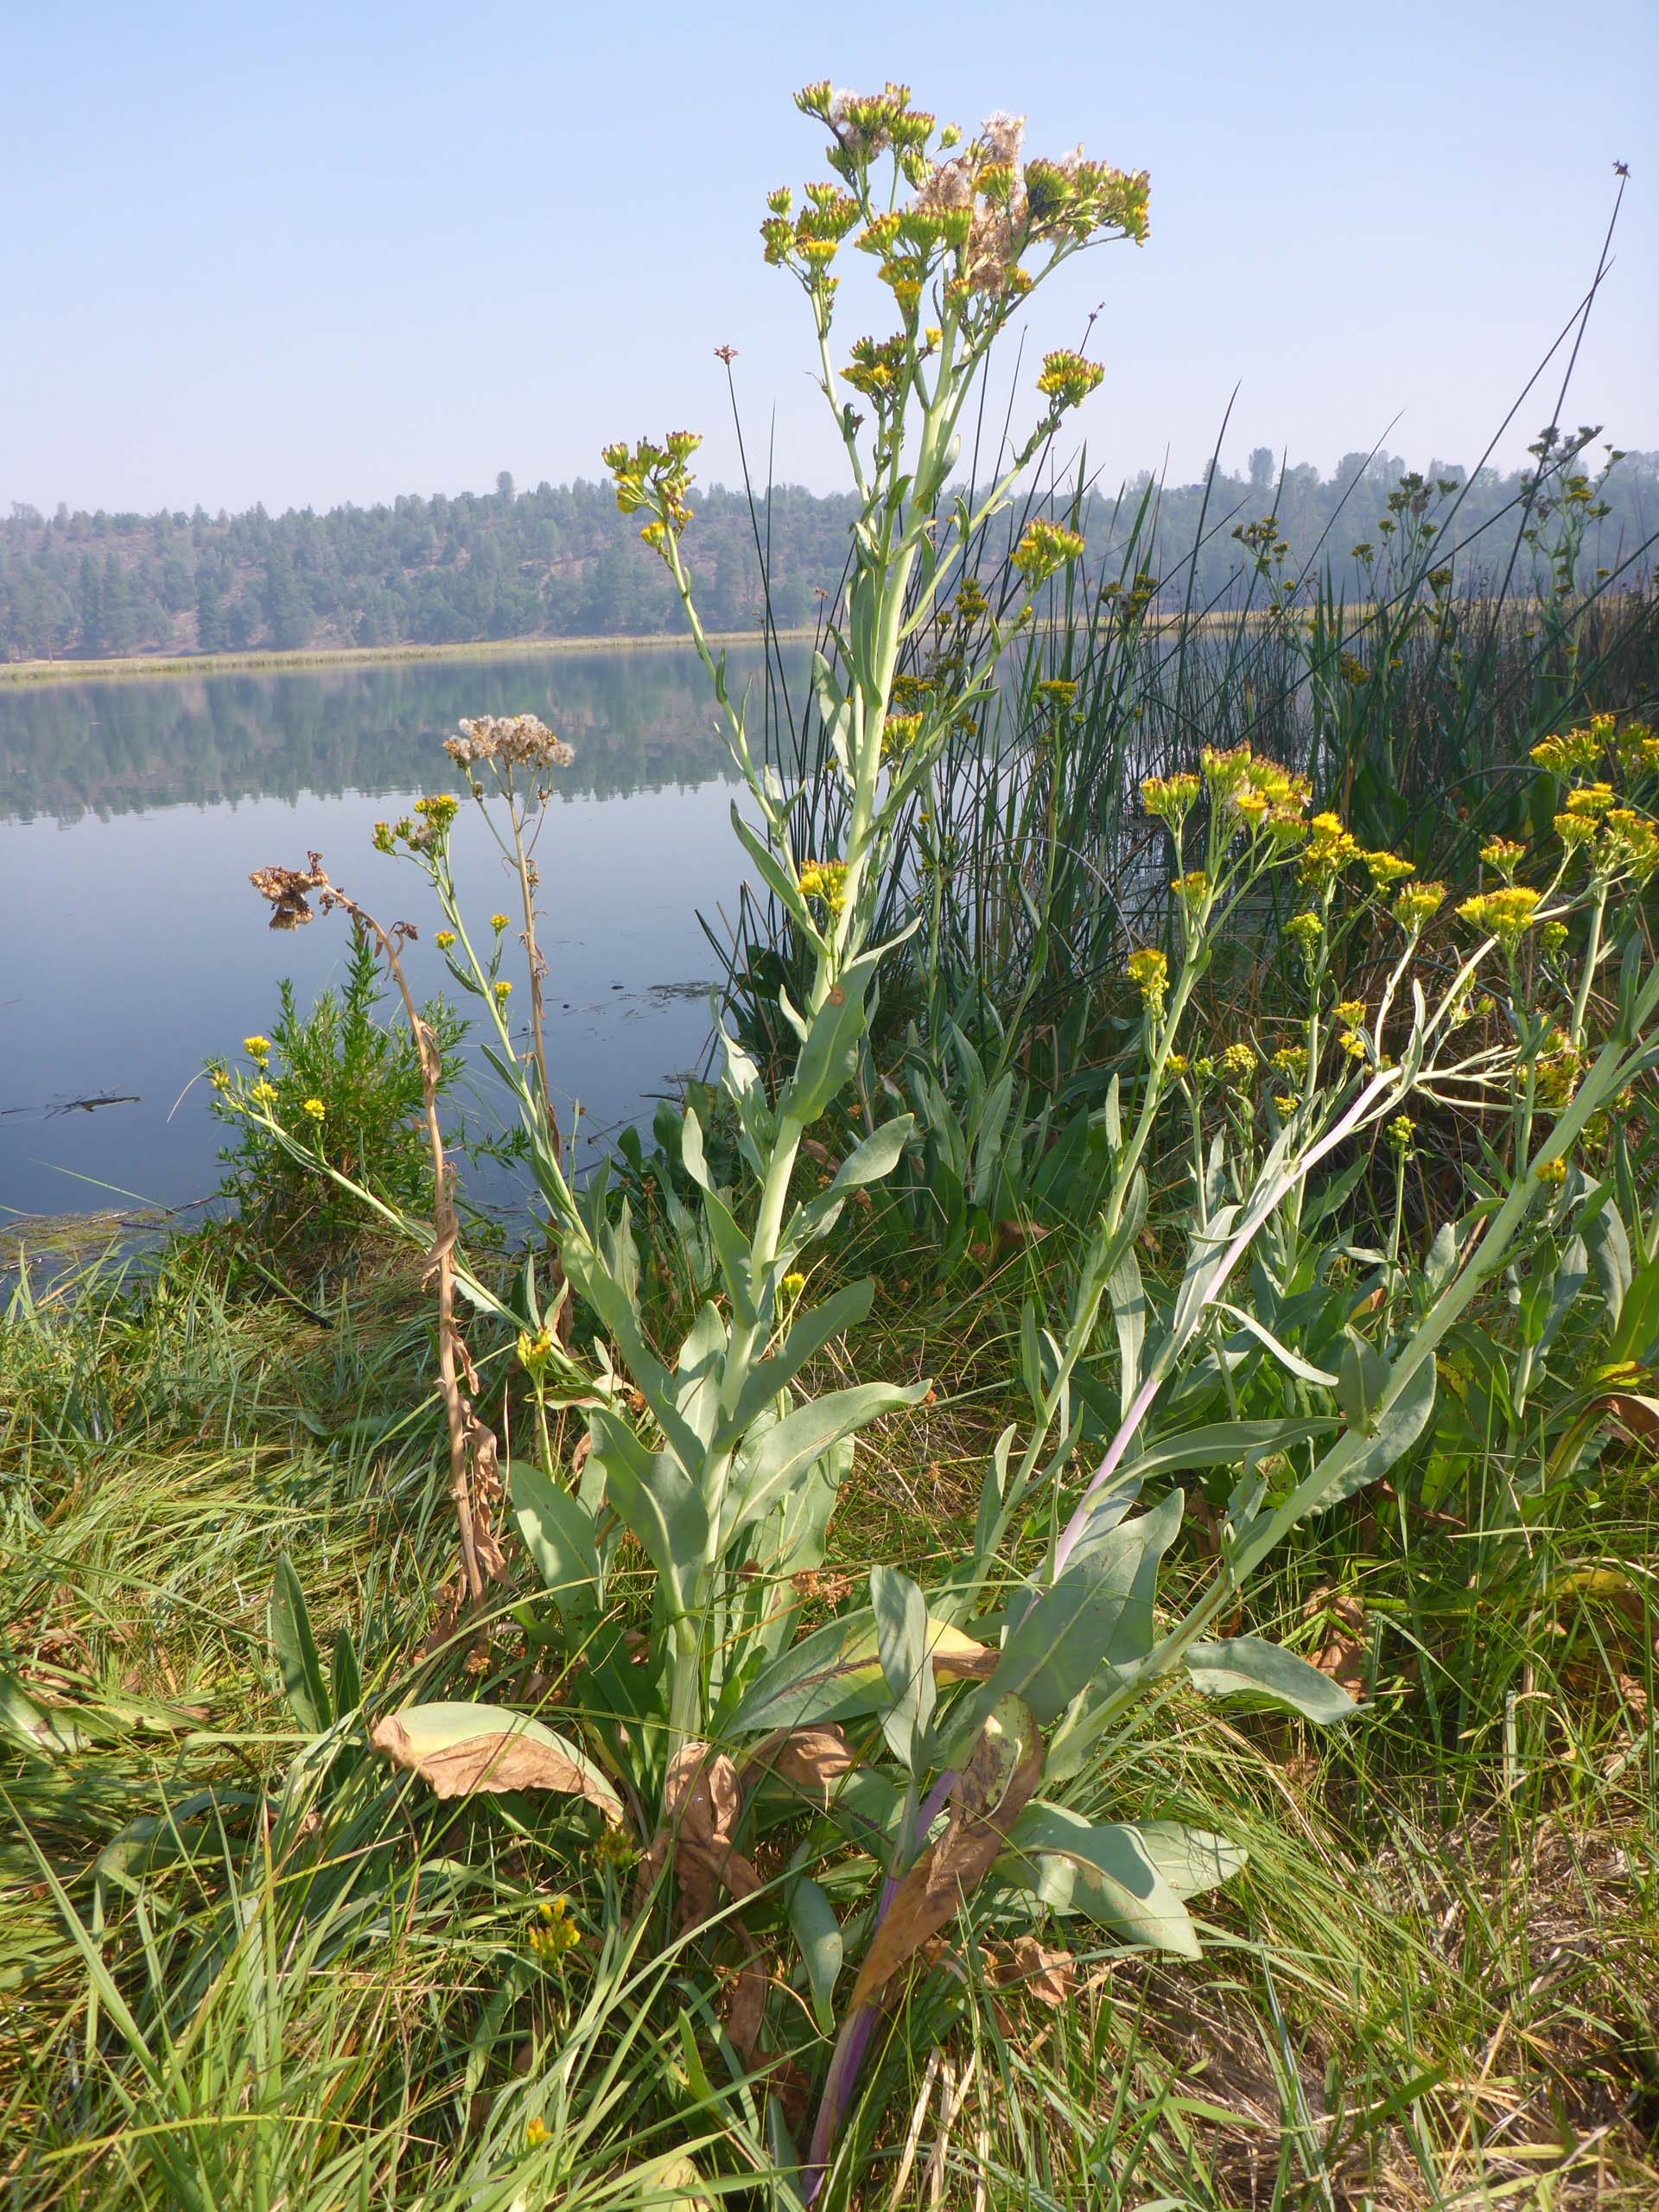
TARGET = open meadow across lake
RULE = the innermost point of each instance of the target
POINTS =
(132, 811)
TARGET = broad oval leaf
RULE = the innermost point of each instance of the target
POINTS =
(458, 1748)
(1246, 1666)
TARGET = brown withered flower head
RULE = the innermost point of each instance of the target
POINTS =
(286, 888)
(513, 740)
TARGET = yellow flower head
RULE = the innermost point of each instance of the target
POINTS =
(1402, 1129)
(1330, 848)
(1306, 930)
(535, 2133)
(313, 1108)
(503, 990)
(1417, 905)
(1508, 914)
(1551, 1171)
(1177, 1065)
(444, 939)
(535, 1352)
(1385, 868)
(554, 1935)
(256, 1048)
(794, 1283)
(1149, 970)
(825, 880)
(1191, 889)
(1591, 799)
(1238, 1063)
(262, 1091)
(499, 922)
(1170, 798)
(1043, 547)
(1504, 854)
(1286, 1103)
(1570, 752)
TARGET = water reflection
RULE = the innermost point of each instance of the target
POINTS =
(131, 813)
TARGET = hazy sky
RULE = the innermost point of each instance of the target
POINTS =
(311, 253)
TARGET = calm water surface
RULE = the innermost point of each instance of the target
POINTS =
(132, 812)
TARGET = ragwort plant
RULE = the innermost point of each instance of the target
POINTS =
(911, 1762)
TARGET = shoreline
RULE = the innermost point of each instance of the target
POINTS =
(268, 663)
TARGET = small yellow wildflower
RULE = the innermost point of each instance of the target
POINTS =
(499, 922)
(1286, 1103)
(444, 939)
(1504, 854)
(1571, 752)
(503, 990)
(1149, 970)
(535, 1352)
(313, 1108)
(1385, 868)
(1330, 848)
(1417, 905)
(1306, 930)
(1191, 889)
(1508, 914)
(1177, 1065)
(1592, 799)
(793, 1284)
(256, 1048)
(1044, 547)
(1402, 1129)
(1238, 1063)
(612, 1849)
(554, 1934)
(1170, 798)
(825, 880)
(1551, 1171)
(1354, 1044)
(1629, 841)
(264, 1092)
(1350, 1011)
(536, 2133)
(1290, 1059)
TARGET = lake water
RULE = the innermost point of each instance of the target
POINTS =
(132, 810)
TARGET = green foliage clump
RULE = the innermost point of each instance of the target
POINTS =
(348, 1086)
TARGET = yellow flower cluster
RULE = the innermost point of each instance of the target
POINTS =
(1238, 1063)
(444, 939)
(1504, 854)
(1573, 752)
(535, 1352)
(256, 1048)
(1400, 1131)
(1417, 905)
(554, 1934)
(1330, 848)
(1068, 379)
(1386, 869)
(898, 734)
(263, 1092)
(656, 477)
(313, 1108)
(825, 880)
(1508, 914)
(1149, 970)
(1044, 548)
(499, 922)
(1171, 798)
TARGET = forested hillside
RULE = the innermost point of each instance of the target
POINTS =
(560, 562)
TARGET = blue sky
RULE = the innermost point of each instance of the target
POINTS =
(312, 253)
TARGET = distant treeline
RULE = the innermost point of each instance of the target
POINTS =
(560, 562)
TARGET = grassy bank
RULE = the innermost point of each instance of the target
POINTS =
(85, 671)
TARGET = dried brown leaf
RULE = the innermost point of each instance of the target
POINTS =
(496, 1760)
(1034, 1969)
(1000, 1778)
(813, 1758)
